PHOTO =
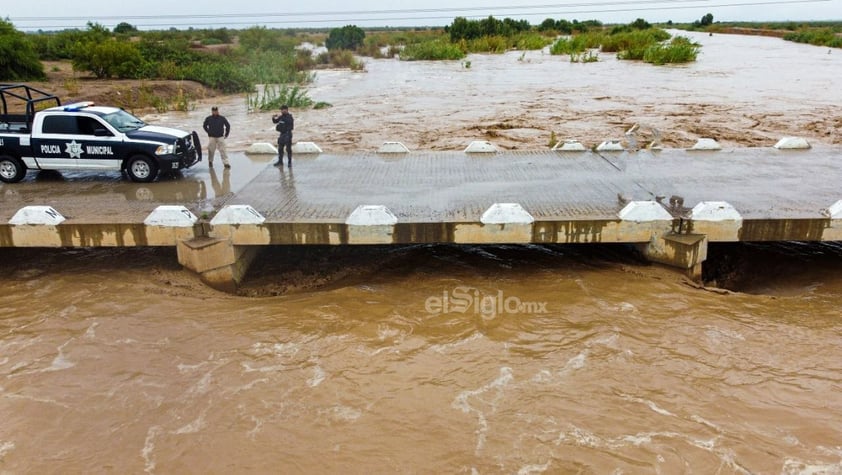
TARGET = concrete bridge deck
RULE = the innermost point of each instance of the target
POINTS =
(429, 187)
(671, 202)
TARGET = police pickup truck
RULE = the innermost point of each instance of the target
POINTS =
(84, 136)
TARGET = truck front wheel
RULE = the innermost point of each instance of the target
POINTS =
(12, 170)
(141, 169)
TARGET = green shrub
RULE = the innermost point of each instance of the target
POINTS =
(678, 50)
(18, 58)
(531, 41)
(816, 37)
(486, 44)
(577, 44)
(109, 58)
(226, 77)
(272, 97)
(348, 37)
(432, 50)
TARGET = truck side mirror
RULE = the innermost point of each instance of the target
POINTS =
(102, 133)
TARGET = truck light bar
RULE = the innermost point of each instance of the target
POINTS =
(77, 106)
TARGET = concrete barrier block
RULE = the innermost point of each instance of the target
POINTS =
(262, 148)
(610, 146)
(306, 148)
(171, 216)
(481, 146)
(644, 211)
(371, 215)
(714, 211)
(237, 214)
(792, 143)
(706, 144)
(37, 215)
(570, 146)
(393, 147)
(506, 213)
(718, 220)
(371, 224)
(834, 211)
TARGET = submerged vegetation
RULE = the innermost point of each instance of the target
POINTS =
(636, 41)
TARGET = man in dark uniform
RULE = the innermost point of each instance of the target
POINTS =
(218, 128)
(285, 124)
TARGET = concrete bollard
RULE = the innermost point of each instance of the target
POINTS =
(371, 224)
(500, 223)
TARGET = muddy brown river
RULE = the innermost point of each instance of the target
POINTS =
(452, 359)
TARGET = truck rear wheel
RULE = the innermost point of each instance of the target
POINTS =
(141, 169)
(12, 170)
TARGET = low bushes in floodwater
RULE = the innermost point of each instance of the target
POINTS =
(432, 50)
(648, 45)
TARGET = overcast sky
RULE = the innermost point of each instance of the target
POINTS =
(182, 14)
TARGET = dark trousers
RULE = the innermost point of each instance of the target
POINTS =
(285, 142)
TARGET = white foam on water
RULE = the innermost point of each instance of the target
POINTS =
(193, 427)
(5, 448)
(203, 385)
(705, 422)
(185, 368)
(543, 376)
(527, 469)
(385, 331)
(318, 377)
(444, 347)
(461, 402)
(60, 362)
(263, 369)
(148, 448)
(800, 467)
(258, 426)
(343, 413)
(577, 362)
(90, 333)
(648, 403)
(67, 311)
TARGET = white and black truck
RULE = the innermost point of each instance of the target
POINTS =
(42, 134)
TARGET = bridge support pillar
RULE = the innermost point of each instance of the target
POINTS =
(219, 263)
(685, 251)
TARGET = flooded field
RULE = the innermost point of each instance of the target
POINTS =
(465, 359)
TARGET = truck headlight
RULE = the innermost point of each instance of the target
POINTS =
(165, 149)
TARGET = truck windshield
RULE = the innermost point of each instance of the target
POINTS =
(123, 121)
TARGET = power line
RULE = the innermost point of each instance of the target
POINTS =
(413, 18)
(350, 12)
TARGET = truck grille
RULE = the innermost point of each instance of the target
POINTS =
(186, 149)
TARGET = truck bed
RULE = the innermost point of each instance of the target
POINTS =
(14, 124)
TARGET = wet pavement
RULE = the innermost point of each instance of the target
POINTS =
(424, 187)
(458, 187)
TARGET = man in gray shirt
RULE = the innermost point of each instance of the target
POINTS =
(218, 128)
